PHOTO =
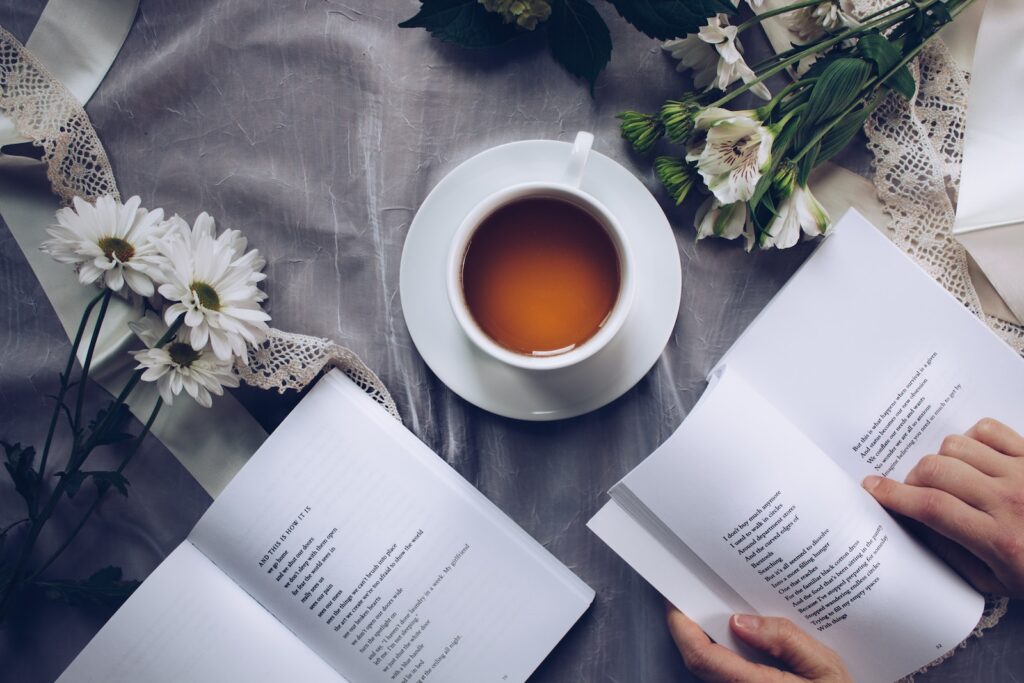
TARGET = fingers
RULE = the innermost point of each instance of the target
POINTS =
(978, 455)
(976, 572)
(783, 640)
(712, 662)
(996, 435)
(955, 477)
(937, 510)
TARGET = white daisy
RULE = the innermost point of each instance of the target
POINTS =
(800, 211)
(735, 153)
(110, 241)
(178, 366)
(214, 287)
(829, 16)
(728, 222)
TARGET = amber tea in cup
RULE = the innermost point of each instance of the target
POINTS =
(541, 275)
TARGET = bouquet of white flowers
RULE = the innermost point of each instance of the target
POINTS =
(202, 310)
(754, 164)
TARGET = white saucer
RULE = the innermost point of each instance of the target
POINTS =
(526, 394)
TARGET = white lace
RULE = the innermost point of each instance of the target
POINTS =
(45, 112)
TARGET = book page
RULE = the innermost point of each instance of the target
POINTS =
(677, 573)
(873, 360)
(795, 536)
(190, 622)
(382, 558)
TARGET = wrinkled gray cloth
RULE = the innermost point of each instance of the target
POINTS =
(317, 128)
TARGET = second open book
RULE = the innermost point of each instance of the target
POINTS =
(861, 365)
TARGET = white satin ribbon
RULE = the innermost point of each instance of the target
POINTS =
(77, 41)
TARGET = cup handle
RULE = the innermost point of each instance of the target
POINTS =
(578, 158)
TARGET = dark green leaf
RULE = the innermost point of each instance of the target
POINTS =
(72, 482)
(886, 55)
(111, 430)
(665, 19)
(105, 480)
(463, 22)
(20, 465)
(103, 589)
(807, 163)
(843, 132)
(579, 39)
(838, 88)
(761, 189)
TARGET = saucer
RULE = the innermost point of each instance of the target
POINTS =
(531, 394)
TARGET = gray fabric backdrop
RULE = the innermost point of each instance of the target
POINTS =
(317, 128)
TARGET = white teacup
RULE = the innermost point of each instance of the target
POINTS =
(567, 190)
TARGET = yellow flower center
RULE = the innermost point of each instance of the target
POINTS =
(207, 296)
(182, 354)
(116, 248)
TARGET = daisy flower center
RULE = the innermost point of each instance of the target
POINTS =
(116, 248)
(206, 295)
(182, 354)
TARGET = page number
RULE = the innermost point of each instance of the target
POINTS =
(939, 646)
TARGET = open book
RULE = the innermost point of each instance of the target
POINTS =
(860, 365)
(344, 550)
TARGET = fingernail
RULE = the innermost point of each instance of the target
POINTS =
(746, 622)
(870, 483)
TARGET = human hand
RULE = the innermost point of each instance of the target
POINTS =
(970, 496)
(807, 659)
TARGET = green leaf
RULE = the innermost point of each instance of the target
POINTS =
(463, 22)
(105, 480)
(103, 589)
(579, 39)
(111, 432)
(843, 132)
(20, 465)
(807, 164)
(72, 481)
(839, 86)
(665, 19)
(886, 55)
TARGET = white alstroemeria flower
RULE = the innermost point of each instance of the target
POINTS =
(735, 153)
(214, 288)
(700, 58)
(715, 57)
(799, 212)
(177, 366)
(731, 65)
(728, 222)
(109, 241)
(829, 16)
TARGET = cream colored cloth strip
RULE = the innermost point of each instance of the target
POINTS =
(77, 40)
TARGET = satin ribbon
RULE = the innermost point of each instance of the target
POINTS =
(77, 41)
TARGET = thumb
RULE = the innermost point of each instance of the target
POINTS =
(781, 639)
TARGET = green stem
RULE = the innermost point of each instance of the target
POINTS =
(87, 363)
(64, 385)
(871, 87)
(128, 387)
(101, 492)
(75, 462)
(884, 22)
(767, 108)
